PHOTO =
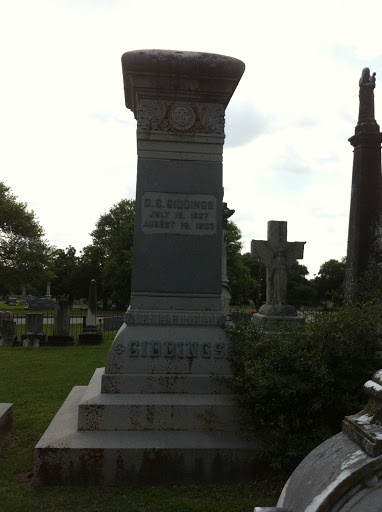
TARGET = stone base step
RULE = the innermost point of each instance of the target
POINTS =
(154, 411)
(65, 456)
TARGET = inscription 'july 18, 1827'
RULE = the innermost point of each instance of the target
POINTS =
(179, 214)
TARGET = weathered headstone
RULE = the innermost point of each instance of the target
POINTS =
(34, 333)
(112, 323)
(155, 413)
(40, 303)
(5, 315)
(91, 334)
(364, 250)
(8, 337)
(47, 294)
(277, 254)
(343, 474)
(61, 326)
(24, 299)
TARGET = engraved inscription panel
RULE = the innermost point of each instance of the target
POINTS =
(167, 213)
(176, 349)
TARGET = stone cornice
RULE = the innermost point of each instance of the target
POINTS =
(155, 74)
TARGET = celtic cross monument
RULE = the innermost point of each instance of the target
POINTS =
(277, 254)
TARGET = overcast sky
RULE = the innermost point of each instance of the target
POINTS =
(68, 145)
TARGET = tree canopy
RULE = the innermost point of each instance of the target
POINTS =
(243, 285)
(330, 281)
(23, 251)
(112, 251)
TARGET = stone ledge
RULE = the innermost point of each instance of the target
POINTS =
(273, 323)
(165, 383)
(154, 411)
(65, 456)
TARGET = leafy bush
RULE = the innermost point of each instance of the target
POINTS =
(295, 386)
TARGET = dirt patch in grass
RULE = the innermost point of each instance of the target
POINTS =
(9, 440)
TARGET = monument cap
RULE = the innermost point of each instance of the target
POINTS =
(183, 71)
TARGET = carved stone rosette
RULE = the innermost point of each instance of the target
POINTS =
(179, 118)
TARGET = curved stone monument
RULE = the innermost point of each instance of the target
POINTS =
(343, 474)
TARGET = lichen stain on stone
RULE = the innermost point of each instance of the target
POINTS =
(150, 414)
(49, 466)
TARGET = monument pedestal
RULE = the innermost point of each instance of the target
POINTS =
(123, 438)
(274, 323)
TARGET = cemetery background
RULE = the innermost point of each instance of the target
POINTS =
(32, 261)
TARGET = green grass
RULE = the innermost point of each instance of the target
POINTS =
(37, 381)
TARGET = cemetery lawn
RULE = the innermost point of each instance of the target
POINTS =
(37, 381)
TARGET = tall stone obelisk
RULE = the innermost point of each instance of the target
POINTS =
(364, 250)
(160, 411)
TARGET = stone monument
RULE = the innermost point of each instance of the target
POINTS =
(9, 336)
(91, 334)
(158, 411)
(277, 255)
(364, 250)
(34, 333)
(343, 474)
(61, 326)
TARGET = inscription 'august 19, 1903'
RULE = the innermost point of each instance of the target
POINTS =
(179, 214)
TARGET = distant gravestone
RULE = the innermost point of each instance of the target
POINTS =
(33, 330)
(41, 303)
(47, 294)
(61, 326)
(24, 299)
(5, 315)
(277, 254)
(8, 337)
(91, 334)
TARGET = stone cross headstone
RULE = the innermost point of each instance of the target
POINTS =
(61, 326)
(8, 337)
(91, 334)
(277, 254)
(155, 413)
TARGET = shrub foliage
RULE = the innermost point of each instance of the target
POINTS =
(294, 387)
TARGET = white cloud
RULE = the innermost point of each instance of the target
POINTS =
(68, 142)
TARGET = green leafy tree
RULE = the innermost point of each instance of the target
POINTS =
(330, 281)
(23, 251)
(65, 273)
(243, 284)
(300, 291)
(112, 248)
